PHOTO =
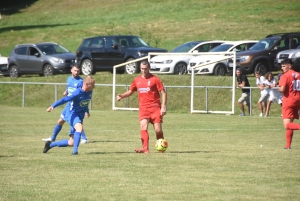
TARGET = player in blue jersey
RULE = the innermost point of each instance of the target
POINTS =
(74, 81)
(80, 100)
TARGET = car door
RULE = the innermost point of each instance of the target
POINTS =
(21, 58)
(114, 52)
(34, 62)
(98, 52)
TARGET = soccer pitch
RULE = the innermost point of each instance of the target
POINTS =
(210, 157)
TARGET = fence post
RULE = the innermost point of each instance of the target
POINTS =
(55, 92)
(250, 102)
(23, 96)
(206, 99)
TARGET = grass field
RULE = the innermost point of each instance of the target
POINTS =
(210, 157)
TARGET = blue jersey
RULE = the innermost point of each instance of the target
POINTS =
(79, 101)
(73, 84)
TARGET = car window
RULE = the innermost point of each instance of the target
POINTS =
(203, 48)
(185, 47)
(283, 44)
(213, 45)
(295, 42)
(239, 48)
(32, 51)
(21, 50)
(86, 43)
(97, 43)
(264, 44)
(221, 48)
(249, 45)
(110, 42)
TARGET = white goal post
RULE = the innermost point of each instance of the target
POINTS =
(224, 56)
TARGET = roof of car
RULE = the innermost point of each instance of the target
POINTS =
(34, 44)
(282, 34)
(240, 42)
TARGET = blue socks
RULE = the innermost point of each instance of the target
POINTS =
(56, 130)
(76, 142)
(61, 143)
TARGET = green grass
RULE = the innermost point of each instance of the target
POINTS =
(210, 157)
(166, 24)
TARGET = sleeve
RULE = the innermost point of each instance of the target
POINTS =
(133, 86)
(65, 99)
(282, 81)
(159, 84)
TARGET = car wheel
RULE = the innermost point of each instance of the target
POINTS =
(262, 67)
(131, 68)
(87, 67)
(48, 70)
(180, 69)
(220, 70)
(14, 71)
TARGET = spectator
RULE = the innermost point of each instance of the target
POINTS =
(242, 81)
(264, 94)
(270, 84)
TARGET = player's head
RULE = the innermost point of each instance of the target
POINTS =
(145, 68)
(286, 65)
(269, 76)
(88, 83)
(75, 70)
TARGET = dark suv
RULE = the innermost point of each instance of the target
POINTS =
(101, 53)
(262, 56)
(42, 58)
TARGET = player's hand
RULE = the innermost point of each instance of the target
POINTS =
(119, 97)
(87, 115)
(163, 111)
(65, 93)
(50, 109)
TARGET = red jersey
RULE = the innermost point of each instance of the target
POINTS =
(291, 81)
(148, 90)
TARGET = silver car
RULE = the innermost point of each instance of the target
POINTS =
(42, 58)
(293, 54)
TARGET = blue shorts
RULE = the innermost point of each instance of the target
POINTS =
(74, 118)
(64, 112)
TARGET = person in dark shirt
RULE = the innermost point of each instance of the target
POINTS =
(242, 81)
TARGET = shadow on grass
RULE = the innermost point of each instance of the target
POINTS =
(20, 28)
(171, 152)
(108, 141)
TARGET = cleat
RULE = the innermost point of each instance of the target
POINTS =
(47, 139)
(242, 115)
(84, 141)
(261, 114)
(47, 147)
(287, 147)
(142, 150)
(76, 153)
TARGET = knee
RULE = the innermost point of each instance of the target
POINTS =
(60, 122)
(71, 142)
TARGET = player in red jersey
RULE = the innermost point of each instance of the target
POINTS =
(151, 109)
(289, 86)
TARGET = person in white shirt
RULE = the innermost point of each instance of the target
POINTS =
(264, 93)
(275, 95)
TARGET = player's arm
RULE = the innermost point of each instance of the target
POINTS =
(163, 109)
(124, 95)
(61, 102)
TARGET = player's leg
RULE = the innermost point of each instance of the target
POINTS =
(62, 143)
(56, 129)
(77, 122)
(156, 120)
(288, 124)
(241, 103)
(268, 108)
(144, 137)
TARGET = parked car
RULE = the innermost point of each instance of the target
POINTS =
(262, 55)
(293, 54)
(220, 67)
(46, 59)
(3, 65)
(177, 64)
(101, 53)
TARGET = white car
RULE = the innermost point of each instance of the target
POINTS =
(220, 67)
(171, 64)
(293, 54)
(3, 65)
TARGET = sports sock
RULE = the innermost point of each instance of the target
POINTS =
(160, 135)
(56, 130)
(293, 126)
(83, 137)
(76, 141)
(288, 138)
(145, 139)
(61, 143)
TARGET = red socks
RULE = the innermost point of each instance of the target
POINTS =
(288, 137)
(292, 126)
(145, 139)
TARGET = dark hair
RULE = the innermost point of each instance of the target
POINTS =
(287, 61)
(75, 66)
(145, 62)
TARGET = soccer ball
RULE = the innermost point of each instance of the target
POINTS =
(161, 145)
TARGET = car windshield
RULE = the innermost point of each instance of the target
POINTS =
(264, 44)
(221, 48)
(49, 49)
(131, 41)
(185, 47)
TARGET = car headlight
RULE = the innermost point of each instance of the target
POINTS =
(243, 58)
(295, 55)
(60, 61)
(167, 61)
(142, 54)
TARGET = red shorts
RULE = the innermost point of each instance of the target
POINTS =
(152, 113)
(290, 109)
